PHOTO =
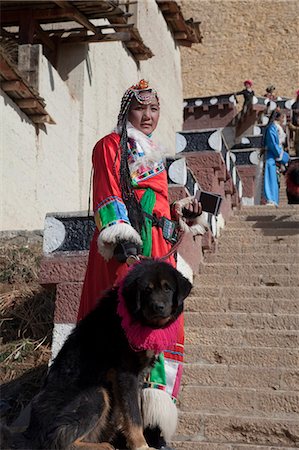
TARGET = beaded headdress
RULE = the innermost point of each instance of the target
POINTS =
(143, 94)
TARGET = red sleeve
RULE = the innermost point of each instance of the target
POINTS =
(109, 208)
(106, 162)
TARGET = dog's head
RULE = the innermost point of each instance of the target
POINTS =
(154, 293)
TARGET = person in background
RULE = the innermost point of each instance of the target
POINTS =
(270, 93)
(247, 92)
(132, 214)
(274, 155)
(294, 131)
(295, 109)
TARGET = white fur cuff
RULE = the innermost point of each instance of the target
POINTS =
(159, 410)
(110, 236)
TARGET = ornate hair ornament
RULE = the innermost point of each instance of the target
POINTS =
(250, 82)
(143, 94)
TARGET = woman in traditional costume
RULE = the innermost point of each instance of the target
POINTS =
(247, 92)
(132, 214)
(274, 157)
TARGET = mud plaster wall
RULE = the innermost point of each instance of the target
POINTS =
(256, 39)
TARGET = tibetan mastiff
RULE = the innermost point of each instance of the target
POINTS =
(292, 182)
(92, 390)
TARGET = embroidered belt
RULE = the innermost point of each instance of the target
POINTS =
(169, 227)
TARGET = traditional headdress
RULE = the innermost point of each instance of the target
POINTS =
(144, 95)
(270, 88)
(248, 82)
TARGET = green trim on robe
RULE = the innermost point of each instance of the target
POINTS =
(157, 374)
(148, 200)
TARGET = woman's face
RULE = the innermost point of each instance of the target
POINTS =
(144, 117)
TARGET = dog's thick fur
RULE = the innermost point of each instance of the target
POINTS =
(292, 183)
(93, 387)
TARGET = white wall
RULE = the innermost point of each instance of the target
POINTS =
(49, 171)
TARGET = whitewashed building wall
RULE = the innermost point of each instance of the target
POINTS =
(49, 170)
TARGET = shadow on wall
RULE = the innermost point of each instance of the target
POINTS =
(70, 57)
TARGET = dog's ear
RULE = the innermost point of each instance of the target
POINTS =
(183, 288)
(131, 294)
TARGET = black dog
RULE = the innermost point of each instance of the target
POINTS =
(292, 183)
(92, 391)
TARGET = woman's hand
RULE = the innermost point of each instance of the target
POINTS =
(192, 210)
(125, 249)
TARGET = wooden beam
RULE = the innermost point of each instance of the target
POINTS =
(42, 15)
(163, 6)
(26, 28)
(76, 14)
(8, 86)
(44, 37)
(41, 118)
(141, 56)
(121, 36)
(180, 35)
(61, 31)
(27, 103)
(133, 44)
(8, 18)
(172, 16)
(16, 86)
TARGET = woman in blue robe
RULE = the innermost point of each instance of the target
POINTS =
(274, 138)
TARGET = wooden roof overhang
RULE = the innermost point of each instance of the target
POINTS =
(25, 96)
(36, 22)
(185, 32)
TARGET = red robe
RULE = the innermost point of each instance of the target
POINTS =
(101, 274)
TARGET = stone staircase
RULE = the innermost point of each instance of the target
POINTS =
(241, 379)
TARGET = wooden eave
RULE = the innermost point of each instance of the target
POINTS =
(27, 98)
(185, 32)
(33, 20)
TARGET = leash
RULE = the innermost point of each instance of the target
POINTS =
(132, 259)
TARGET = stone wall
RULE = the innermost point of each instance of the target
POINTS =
(242, 39)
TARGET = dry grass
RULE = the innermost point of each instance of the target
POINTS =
(26, 311)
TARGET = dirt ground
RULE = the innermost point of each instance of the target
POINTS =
(26, 324)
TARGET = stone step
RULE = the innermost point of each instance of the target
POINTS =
(243, 356)
(247, 279)
(267, 210)
(233, 269)
(227, 400)
(242, 320)
(263, 218)
(289, 234)
(253, 258)
(264, 224)
(218, 445)
(198, 431)
(253, 292)
(239, 337)
(278, 378)
(276, 247)
(246, 305)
